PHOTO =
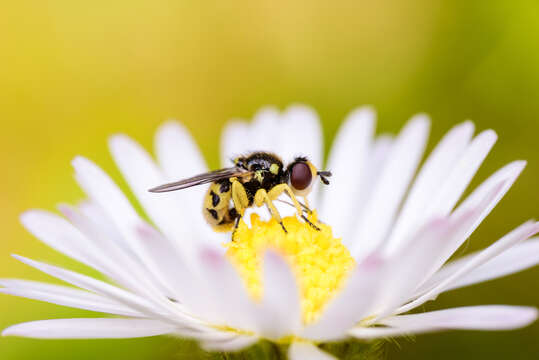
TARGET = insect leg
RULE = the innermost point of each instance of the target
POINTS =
(236, 224)
(305, 208)
(306, 202)
(310, 223)
(279, 189)
(262, 197)
(239, 196)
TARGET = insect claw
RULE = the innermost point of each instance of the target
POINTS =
(284, 229)
(310, 223)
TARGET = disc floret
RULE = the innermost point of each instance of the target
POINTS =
(320, 262)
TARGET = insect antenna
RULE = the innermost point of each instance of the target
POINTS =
(324, 175)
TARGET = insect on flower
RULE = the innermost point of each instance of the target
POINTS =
(256, 179)
(385, 246)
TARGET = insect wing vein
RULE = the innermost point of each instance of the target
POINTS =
(205, 178)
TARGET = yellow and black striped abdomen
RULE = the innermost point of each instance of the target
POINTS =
(218, 210)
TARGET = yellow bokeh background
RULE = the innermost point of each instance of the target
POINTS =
(72, 73)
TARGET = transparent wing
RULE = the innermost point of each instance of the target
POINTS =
(202, 179)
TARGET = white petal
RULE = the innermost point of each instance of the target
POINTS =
(304, 351)
(429, 180)
(378, 158)
(377, 161)
(61, 235)
(178, 154)
(65, 296)
(263, 134)
(110, 198)
(352, 303)
(461, 175)
(226, 301)
(265, 131)
(234, 141)
(519, 234)
(106, 194)
(368, 333)
(235, 344)
(417, 258)
(462, 224)
(506, 176)
(397, 174)
(348, 162)
(517, 258)
(89, 328)
(486, 317)
(449, 192)
(473, 210)
(141, 174)
(133, 301)
(209, 334)
(180, 158)
(166, 266)
(301, 134)
(280, 314)
(116, 262)
(93, 213)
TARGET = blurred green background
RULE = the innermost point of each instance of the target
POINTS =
(72, 73)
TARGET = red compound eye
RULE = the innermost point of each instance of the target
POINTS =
(301, 176)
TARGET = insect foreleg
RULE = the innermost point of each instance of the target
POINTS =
(277, 190)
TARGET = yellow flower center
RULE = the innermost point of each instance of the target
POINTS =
(319, 261)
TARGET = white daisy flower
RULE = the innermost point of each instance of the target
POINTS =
(176, 276)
